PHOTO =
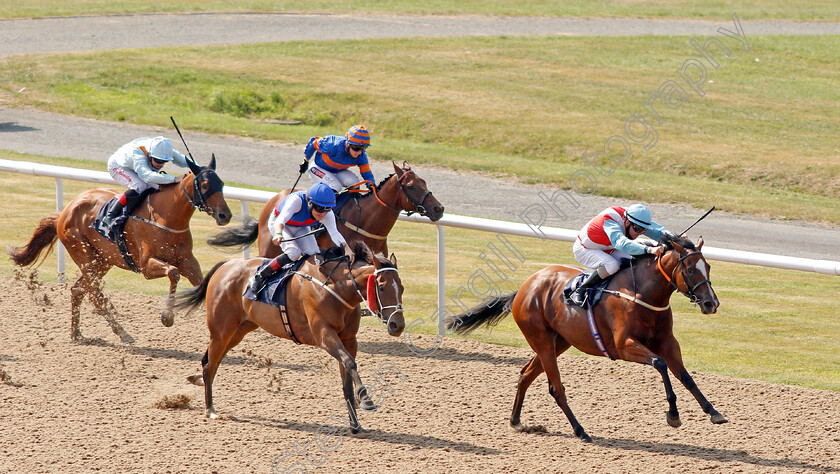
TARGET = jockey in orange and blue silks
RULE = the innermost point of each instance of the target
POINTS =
(328, 158)
(609, 237)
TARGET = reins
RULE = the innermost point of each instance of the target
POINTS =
(689, 293)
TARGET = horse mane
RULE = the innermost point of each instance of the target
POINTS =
(668, 241)
(364, 252)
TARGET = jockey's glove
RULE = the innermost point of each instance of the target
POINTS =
(304, 166)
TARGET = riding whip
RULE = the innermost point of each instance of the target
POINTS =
(698, 220)
(319, 229)
(182, 138)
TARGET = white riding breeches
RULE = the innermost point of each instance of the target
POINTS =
(337, 181)
(597, 259)
(128, 178)
(300, 247)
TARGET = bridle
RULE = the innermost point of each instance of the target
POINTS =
(689, 292)
(418, 205)
(200, 202)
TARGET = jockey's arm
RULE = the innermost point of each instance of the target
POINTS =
(329, 223)
(656, 231)
(364, 168)
(140, 165)
(179, 159)
(290, 207)
(311, 148)
(615, 233)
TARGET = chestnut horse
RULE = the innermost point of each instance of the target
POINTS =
(368, 218)
(634, 318)
(322, 308)
(157, 236)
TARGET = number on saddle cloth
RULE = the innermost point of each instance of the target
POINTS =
(595, 293)
(274, 292)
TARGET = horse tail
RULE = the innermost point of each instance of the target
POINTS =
(488, 313)
(246, 234)
(44, 237)
(194, 296)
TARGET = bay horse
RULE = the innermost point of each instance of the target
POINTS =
(157, 236)
(368, 218)
(322, 308)
(634, 318)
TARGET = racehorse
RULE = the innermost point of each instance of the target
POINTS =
(320, 313)
(368, 218)
(634, 318)
(157, 236)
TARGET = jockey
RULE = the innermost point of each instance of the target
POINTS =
(137, 165)
(609, 237)
(292, 218)
(333, 155)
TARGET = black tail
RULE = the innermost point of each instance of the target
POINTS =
(246, 234)
(488, 313)
(189, 299)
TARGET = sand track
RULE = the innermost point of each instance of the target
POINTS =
(68, 407)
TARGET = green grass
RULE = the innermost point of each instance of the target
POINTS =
(707, 9)
(773, 325)
(761, 141)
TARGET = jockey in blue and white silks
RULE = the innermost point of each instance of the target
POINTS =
(328, 158)
(609, 237)
(289, 223)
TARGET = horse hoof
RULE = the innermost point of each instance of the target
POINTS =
(520, 428)
(674, 421)
(126, 338)
(76, 336)
(585, 438)
(719, 419)
(167, 318)
(357, 429)
(211, 414)
(196, 379)
(368, 405)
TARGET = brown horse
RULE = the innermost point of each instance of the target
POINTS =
(368, 218)
(636, 326)
(157, 236)
(320, 313)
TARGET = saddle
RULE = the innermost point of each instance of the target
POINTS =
(593, 295)
(114, 233)
(274, 291)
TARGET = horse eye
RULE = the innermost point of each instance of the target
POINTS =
(381, 287)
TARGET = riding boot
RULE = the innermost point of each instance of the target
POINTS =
(258, 279)
(132, 200)
(579, 295)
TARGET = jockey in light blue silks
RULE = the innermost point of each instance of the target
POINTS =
(609, 237)
(291, 220)
(137, 166)
(328, 158)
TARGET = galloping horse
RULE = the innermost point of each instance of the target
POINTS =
(636, 326)
(157, 236)
(320, 313)
(368, 218)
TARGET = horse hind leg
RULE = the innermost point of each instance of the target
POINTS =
(558, 391)
(527, 375)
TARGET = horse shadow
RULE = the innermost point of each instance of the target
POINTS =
(415, 440)
(709, 454)
(401, 349)
(14, 127)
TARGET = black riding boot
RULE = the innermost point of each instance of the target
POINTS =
(578, 295)
(257, 281)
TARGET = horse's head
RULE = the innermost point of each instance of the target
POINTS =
(689, 272)
(415, 196)
(207, 192)
(384, 288)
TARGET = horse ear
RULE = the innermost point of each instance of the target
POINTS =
(393, 259)
(212, 164)
(700, 243)
(677, 247)
(193, 166)
(398, 170)
(406, 166)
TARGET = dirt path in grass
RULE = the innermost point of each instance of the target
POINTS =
(90, 406)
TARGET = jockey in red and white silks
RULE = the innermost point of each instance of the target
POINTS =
(610, 236)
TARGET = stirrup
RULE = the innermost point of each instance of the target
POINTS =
(578, 297)
(256, 283)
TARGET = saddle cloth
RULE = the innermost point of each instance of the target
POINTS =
(595, 292)
(274, 292)
(105, 231)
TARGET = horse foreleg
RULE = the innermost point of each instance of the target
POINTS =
(220, 345)
(331, 343)
(670, 351)
(634, 351)
(155, 268)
